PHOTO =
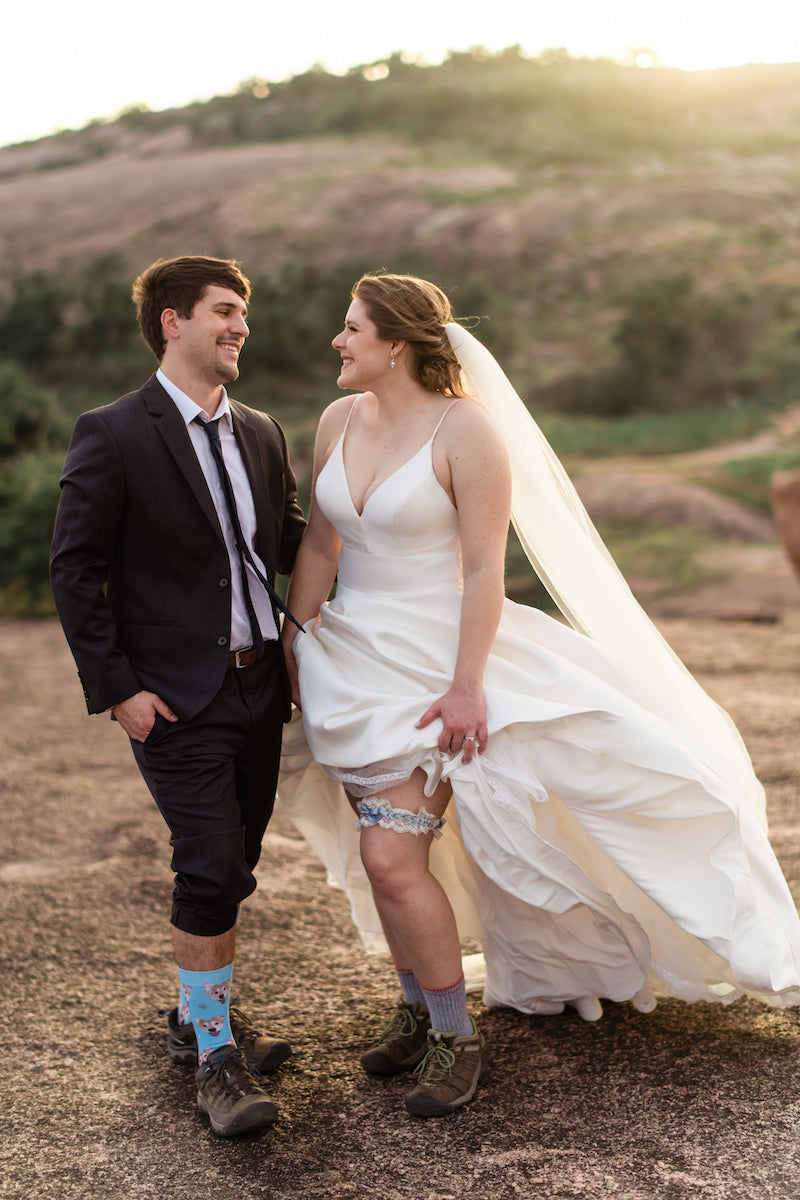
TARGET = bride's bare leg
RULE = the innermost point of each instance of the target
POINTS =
(420, 926)
(415, 912)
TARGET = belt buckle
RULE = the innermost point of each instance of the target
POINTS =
(238, 654)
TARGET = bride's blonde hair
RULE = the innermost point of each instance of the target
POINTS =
(403, 307)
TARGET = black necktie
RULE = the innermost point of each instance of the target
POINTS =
(212, 433)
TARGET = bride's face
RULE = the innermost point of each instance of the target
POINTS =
(366, 358)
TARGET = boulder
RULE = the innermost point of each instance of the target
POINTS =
(668, 501)
(784, 495)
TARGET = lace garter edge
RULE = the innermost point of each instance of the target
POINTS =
(401, 820)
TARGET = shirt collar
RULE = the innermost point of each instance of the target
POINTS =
(186, 406)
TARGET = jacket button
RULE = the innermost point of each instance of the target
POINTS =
(224, 582)
(222, 641)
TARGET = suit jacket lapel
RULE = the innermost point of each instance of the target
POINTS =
(172, 428)
(257, 468)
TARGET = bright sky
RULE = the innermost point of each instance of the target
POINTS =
(64, 63)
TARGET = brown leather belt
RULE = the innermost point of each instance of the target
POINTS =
(243, 658)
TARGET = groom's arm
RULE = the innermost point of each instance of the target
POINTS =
(291, 522)
(85, 537)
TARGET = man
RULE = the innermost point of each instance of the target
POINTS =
(165, 524)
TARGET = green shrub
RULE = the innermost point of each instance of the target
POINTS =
(32, 321)
(30, 412)
(747, 479)
(678, 348)
(28, 500)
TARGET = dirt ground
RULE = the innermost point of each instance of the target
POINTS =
(689, 1101)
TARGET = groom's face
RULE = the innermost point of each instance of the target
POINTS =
(209, 342)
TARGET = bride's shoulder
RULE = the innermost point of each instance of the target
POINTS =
(468, 447)
(467, 422)
(336, 414)
(331, 425)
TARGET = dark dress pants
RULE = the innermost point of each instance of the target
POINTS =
(214, 778)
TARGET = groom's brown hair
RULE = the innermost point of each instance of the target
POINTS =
(179, 283)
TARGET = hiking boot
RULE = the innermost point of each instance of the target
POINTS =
(231, 1096)
(448, 1074)
(261, 1053)
(402, 1043)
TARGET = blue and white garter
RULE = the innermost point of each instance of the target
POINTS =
(401, 820)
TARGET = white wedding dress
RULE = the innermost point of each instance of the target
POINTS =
(594, 850)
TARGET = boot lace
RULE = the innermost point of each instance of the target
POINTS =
(231, 1076)
(403, 1023)
(437, 1065)
(244, 1026)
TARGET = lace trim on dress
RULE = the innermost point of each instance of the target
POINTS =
(401, 820)
(513, 788)
(513, 791)
(367, 782)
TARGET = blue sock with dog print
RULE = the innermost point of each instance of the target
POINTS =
(204, 999)
(184, 1016)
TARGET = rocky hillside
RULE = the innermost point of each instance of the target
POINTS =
(632, 237)
(565, 167)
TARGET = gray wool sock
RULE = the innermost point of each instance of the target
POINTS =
(448, 1008)
(410, 987)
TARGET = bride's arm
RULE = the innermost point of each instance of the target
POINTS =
(480, 482)
(317, 559)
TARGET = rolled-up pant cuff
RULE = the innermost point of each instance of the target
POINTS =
(203, 920)
(212, 877)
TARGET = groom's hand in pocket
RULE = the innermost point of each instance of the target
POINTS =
(137, 714)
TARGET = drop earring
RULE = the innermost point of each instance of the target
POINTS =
(391, 364)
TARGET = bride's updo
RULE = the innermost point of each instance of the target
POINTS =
(403, 307)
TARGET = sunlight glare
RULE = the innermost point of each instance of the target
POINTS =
(710, 35)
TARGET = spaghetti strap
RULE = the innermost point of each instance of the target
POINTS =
(349, 415)
(438, 423)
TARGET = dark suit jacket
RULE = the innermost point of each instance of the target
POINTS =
(139, 569)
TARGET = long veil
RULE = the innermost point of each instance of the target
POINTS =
(570, 558)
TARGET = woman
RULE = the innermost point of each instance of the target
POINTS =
(610, 837)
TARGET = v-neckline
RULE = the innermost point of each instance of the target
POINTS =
(397, 469)
(391, 474)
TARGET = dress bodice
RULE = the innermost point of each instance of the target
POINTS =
(406, 539)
